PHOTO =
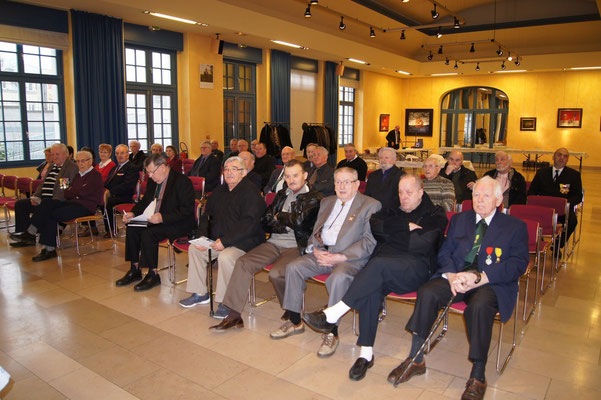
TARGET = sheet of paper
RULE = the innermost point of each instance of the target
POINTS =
(148, 212)
(202, 241)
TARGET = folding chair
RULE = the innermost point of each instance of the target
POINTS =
(8, 182)
(562, 208)
(252, 291)
(362, 186)
(187, 165)
(534, 239)
(269, 198)
(198, 183)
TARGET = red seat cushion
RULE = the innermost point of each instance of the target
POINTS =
(321, 278)
(406, 296)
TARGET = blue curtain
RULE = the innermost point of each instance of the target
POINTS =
(280, 86)
(99, 82)
(330, 104)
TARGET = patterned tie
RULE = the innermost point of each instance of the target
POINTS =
(480, 230)
(313, 177)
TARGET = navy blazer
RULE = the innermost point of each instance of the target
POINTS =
(506, 233)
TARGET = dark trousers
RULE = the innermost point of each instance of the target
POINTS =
(110, 203)
(142, 244)
(479, 315)
(381, 276)
(50, 212)
(23, 210)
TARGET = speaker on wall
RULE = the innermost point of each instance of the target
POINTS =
(339, 69)
(217, 46)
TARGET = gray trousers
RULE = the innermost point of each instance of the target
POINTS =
(305, 267)
(251, 263)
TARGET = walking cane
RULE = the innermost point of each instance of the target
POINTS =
(423, 346)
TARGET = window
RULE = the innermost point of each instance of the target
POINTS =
(151, 99)
(239, 99)
(31, 103)
(346, 116)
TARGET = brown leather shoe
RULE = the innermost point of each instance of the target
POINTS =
(474, 390)
(228, 323)
(413, 369)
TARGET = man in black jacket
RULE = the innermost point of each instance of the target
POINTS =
(207, 166)
(352, 160)
(404, 258)
(289, 219)
(233, 220)
(321, 176)
(393, 138)
(172, 218)
(215, 151)
(383, 184)
(276, 180)
(512, 182)
(249, 162)
(264, 163)
(463, 178)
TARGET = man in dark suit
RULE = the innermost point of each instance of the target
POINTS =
(352, 160)
(276, 180)
(480, 262)
(463, 178)
(264, 163)
(321, 176)
(512, 182)
(340, 245)
(172, 218)
(559, 181)
(137, 156)
(233, 150)
(393, 138)
(121, 184)
(249, 162)
(207, 166)
(383, 183)
(215, 150)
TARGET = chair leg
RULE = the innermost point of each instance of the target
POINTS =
(383, 314)
(501, 369)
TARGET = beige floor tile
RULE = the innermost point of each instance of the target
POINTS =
(102, 291)
(17, 371)
(523, 383)
(571, 347)
(76, 342)
(45, 361)
(428, 395)
(457, 387)
(559, 390)
(81, 281)
(32, 388)
(91, 315)
(53, 297)
(165, 384)
(85, 384)
(132, 334)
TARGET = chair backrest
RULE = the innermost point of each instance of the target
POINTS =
(467, 205)
(142, 188)
(35, 184)
(559, 204)
(279, 166)
(187, 165)
(197, 210)
(9, 182)
(269, 199)
(545, 216)
(528, 185)
(362, 186)
(25, 185)
(199, 184)
(367, 175)
(533, 238)
(1, 181)
(449, 216)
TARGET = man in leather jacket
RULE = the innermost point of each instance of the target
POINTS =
(289, 219)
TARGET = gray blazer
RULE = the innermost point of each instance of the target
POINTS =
(355, 240)
(69, 170)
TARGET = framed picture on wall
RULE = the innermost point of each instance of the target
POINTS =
(569, 117)
(528, 123)
(418, 121)
(384, 122)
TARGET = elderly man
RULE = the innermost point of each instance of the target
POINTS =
(340, 245)
(352, 160)
(393, 139)
(383, 183)
(404, 258)
(289, 219)
(82, 197)
(207, 166)
(559, 181)
(170, 196)
(242, 145)
(463, 178)
(121, 184)
(321, 176)
(137, 156)
(233, 149)
(440, 190)
(215, 151)
(512, 182)
(309, 150)
(264, 163)
(233, 220)
(253, 146)
(60, 174)
(480, 263)
(276, 180)
(249, 163)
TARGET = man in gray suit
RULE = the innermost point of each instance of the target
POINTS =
(340, 245)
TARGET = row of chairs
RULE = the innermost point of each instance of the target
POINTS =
(21, 188)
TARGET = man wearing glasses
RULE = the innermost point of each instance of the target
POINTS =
(172, 196)
(232, 219)
(340, 245)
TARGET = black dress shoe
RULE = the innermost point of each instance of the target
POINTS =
(131, 276)
(25, 237)
(317, 321)
(17, 235)
(228, 323)
(45, 255)
(474, 390)
(412, 370)
(359, 368)
(151, 280)
(21, 244)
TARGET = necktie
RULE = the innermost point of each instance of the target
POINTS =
(471, 256)
(556, 176)
(114, 173)
(313, 177)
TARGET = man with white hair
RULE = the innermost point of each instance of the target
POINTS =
(463, 178)
(321, 176)
(512, 182)
(249, 163)
(480, 263)
(352, 160)
(383, 183)
(276, 180)
(440, 190)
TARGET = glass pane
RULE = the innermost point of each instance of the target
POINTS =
(51, 112)
(166, 77)
(158, 132)
(131, 131)
(140, 74)
(36, 150)
(31, 49)
(157, 115)
(156, 75)
(141, 100)
(5, 46)
(34, 112)
(141, 114)
(143, 143)
(167, 130)
(131, 100)
(142, 131)
(14, 151)
(167, 116)
(12, 111)
(1, 132)
(130, 73)
(46, 51)
(156, 60)
(50, 93)
(156, 101)
(48, 65)
(10, 91)
(33, 91)
(53, 130)
(166, 61)
(2, 152)
(36, 131)
(166, 101)
(130, 56)
(131, 115)
(8, 62)
(140, 58)
(31, 64)
(13, 131)
(167, 141)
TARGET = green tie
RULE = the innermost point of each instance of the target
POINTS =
(480, 230)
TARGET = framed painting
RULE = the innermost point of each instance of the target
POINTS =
(384, 122)
(528, 123)
(418, 121)
(569, 117)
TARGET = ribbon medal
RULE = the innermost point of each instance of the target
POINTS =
(498, 252)
(488, 257)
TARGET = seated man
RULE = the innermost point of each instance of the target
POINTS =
(60, 174)
(215, 151)
(512, 182)
(487, 282)
(383, 184)
(340, 245)
(559, 181)
(276, 180)
(463, 178)
(173, 217)
(233, 149)
(440, 190)
(289, 219)
(242, 145)
(309, 152)
(352, 160)
(249, 163)
(233, 220)
(207, 166)
(137, 156)
(264, 163)
(82, 197)
(404, 258)
(321, 176)
(121, 184)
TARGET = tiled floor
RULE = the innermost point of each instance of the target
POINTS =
(67, 332)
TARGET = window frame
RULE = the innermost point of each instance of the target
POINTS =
(236, 95)
(341, 115)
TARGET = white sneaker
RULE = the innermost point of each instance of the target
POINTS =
(328, 346)
(287, 329)
(4, 378)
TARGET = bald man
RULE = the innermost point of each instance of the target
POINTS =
(512, 182)
(276, 180)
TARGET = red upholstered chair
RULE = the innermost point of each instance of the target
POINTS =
(449, 216)
(362, 186)
(187, 164)
(269, 198)
(252, 291)
(561, 207)
(24, 189)
(8, 182)
(368, 174)
(199, 184)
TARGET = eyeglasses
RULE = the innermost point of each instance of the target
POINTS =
(84, 160)
(153, 172)
(344, 183)
(228, 170)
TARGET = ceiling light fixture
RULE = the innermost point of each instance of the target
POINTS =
(308, 11)
(430, 56)
(517, 62)
(577, 68)
(440, 50)
(500, 51)
(509, 58)
(342, 25)
(314, 2)
(472, 49)
(446, 61)
(478, 67)
(456, 66)
(372, 33)
(510, 70)
(503, 65)
(434, 13)
(438, 33)
(296, 46)
(403, 72)
(403, 35)
(171, 17)
(456, 24)
(445, 74)
(358, 61)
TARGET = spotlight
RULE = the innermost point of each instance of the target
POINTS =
(472, 49)
(456, 24)
(403, 35)
(500, 51)
(342, 25)
(478, 67)
(434, 13)
(314, 2)
(456, 66)
(438, 34)
(509, 58)
(308, 11)
(372, 33)
(446, 61)
(503, 65)
(431, 56)
(440, 50)
(517, 62)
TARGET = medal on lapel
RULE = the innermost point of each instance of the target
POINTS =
(488, 255)
(498, 252)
